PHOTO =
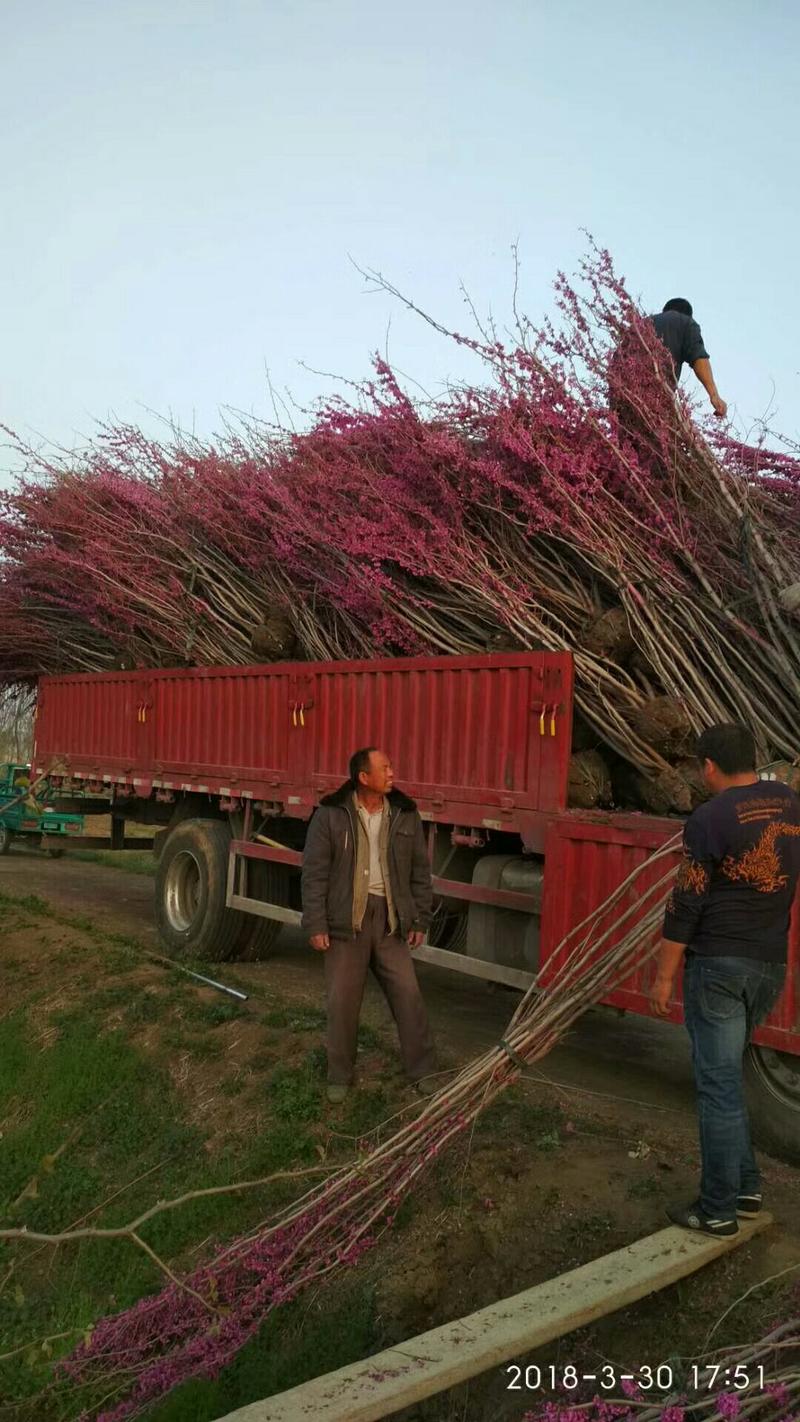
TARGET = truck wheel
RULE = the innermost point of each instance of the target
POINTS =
(270, 883)
(772, 1091)
(191, 881)
(5, 839)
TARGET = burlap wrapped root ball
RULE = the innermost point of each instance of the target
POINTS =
(678, 789)
(589, 781)
(609, 637)
(663, 723)
(275, 639)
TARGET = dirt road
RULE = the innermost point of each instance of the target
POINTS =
(622, 1057)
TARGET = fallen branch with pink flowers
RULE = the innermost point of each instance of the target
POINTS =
(199, 1321)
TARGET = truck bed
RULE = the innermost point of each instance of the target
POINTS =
(478, 741)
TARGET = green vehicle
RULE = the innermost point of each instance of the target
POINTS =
(32, 816)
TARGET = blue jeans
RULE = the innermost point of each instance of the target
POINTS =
(724, 999)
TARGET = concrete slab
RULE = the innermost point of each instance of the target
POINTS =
(389, 1381)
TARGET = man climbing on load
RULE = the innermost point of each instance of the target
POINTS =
(635, 396)
(677, 329)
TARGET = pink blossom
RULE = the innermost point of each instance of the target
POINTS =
(729, 1405)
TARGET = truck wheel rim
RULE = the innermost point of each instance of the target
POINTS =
(182, 891)
(780, 1073)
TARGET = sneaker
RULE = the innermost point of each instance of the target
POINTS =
(692, 1217)
(748, 1206)
(425, 1086)
(337, 1093)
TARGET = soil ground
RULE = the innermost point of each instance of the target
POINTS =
(578, 1160)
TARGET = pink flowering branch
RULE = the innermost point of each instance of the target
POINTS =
(570, 484)
(198, 1322)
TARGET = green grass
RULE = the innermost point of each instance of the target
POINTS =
(233, 1086)
(295, 1019)
(522, 1121)
(587, 1229)
(213, 1014)
(548, 1141)
(137, 1006)
(296, 1095)
(302, 1018)
(90, 1116)
(365, 1110)
(205, 1049)
(131, 861)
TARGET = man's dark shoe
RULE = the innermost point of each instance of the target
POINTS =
(692, 1217)
(748, 1206)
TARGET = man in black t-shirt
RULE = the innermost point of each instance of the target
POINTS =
(677, 329)
(637, 399)
(728, 915)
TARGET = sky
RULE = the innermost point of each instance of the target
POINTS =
(187, 184)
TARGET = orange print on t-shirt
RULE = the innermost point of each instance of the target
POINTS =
(760, 867)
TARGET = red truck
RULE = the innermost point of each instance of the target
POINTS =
(228, 763)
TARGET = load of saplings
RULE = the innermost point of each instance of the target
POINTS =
(567, 500)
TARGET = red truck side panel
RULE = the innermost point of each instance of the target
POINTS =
(474, 739)
(93, 721)
(221, 726)
(491, 733)
(586, 859)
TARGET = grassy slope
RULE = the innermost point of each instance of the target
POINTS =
(87, 1110)
(119, 1078)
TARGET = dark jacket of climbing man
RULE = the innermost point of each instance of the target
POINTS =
(677, 329)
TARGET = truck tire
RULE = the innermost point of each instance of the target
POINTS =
(772, 1092)
(270, 883)
(6, 837)
(191, 881)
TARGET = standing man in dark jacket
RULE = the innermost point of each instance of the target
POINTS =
(677, 329)
(367, 902)
(729, 915)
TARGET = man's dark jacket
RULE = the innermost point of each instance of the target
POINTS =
(329, 866)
